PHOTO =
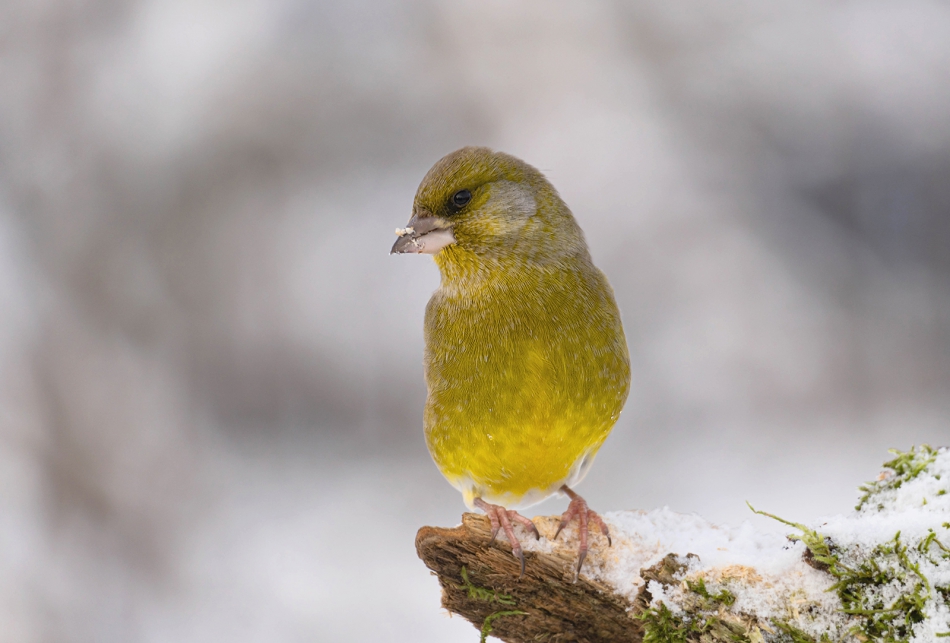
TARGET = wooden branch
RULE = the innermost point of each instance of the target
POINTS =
(877, 573)
(555, 608)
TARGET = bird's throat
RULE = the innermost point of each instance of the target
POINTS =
(468, 273)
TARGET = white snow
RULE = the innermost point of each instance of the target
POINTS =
(765, 571)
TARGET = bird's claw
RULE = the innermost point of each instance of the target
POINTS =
(580, 562)
(519, 554)
(502, 518)
(578, 509)
(537, 534)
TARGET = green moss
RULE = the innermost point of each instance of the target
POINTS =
(661, 625)
(795, 635)
(702, 621)
(820, 548)
(859, 585)
(879, 621)
(486, 626)
(883, 590)
(481, 593)
(887, 564)
(489, 596)
(724, 597)
(906, 466)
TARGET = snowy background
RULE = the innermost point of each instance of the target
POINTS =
(210, 368)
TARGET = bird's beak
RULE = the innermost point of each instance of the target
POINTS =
(426, 235)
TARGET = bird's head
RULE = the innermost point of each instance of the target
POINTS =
(491, 205)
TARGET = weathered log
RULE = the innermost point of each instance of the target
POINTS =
(877, 573)
(552, 606)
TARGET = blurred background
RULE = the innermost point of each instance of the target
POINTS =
(210, 368)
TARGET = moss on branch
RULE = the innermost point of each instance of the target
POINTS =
(856, 582)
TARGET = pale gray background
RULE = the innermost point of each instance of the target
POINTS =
(210, 369)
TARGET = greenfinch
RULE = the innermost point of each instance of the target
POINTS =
(526, 363)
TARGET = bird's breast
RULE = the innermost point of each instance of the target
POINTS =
(524, 382)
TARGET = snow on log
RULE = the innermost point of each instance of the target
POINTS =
(878, 573)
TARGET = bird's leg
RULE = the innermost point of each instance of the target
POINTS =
(501, 519)
(578, 509)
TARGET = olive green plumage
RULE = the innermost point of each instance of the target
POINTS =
(525, 361)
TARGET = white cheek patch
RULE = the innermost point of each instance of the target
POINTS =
(509, 207)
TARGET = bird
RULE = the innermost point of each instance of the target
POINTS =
(526, 363)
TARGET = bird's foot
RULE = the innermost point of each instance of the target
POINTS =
(501, 519)
(578, 509)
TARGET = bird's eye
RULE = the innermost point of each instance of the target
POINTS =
(461, 198)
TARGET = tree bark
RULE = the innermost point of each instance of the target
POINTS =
(553, 607)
